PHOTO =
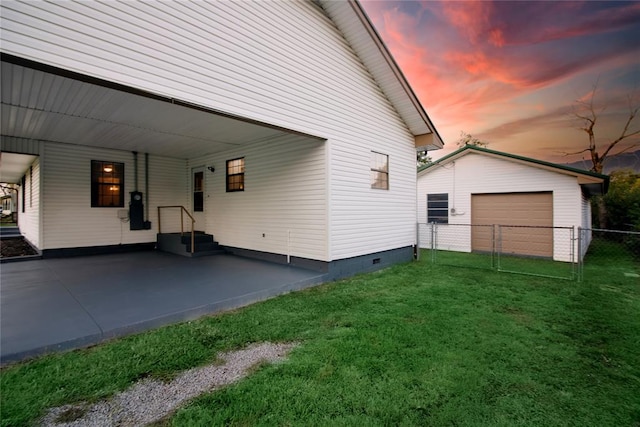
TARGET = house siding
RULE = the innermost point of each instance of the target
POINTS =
(283, 63)
(586, 234)
(479, 174)
(69, 219)
(282, 209)
(29, 214)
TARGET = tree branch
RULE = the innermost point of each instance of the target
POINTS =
(624, 134)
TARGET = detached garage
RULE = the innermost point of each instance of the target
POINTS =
(536, 203)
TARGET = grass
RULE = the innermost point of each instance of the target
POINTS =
(416, 344)
(506, 263)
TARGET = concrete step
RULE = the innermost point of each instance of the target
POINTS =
(198, 237)
(204, 245)
(10, 232)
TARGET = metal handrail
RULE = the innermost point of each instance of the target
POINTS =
(183, 210)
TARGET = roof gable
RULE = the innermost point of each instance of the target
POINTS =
(591, 182)
(353, 23)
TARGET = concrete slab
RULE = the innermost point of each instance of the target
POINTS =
(57, 304)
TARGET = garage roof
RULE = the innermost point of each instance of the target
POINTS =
(591, 182)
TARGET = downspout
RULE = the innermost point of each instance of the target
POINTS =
(135, 170)
(146, 187)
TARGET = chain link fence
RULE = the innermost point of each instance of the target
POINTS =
(555, 252)
(611, 247)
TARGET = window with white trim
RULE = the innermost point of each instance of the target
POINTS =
(379, 171)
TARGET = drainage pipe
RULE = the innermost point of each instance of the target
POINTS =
(135, 170)
(146, 186)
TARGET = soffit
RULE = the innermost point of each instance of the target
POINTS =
(44, 105)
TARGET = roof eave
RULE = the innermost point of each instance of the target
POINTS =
(593, 183)
(403, 89)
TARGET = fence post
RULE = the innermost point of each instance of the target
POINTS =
(572, 252)
(417, 241)
(580, 243)
(434, 236)
(497, 232)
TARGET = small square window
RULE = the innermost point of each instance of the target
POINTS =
(438, 208)
(107, 184)
(235, 175)
(379, 171)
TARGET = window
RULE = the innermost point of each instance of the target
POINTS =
(24, 192)
(235, 175)
(438, 208)
(107, 184)
(198, 191)
(30, 186)
(379, 171)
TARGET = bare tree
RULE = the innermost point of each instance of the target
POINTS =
(587, 115)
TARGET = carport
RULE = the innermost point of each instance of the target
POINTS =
(66, 121)
(64, 303)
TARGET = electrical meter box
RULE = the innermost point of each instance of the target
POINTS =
(136, 211)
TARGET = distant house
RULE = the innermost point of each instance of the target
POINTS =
(285, 129)
(477, 187)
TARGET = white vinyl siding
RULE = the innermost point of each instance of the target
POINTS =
(69, 219)
(282, 209)
(586, 225)
(283, 63)
(29, 212)
(480, 174)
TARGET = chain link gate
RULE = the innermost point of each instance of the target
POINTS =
(532, 250)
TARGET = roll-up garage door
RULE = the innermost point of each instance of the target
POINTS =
(526, 218)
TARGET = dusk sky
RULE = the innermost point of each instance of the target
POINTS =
(509, 73)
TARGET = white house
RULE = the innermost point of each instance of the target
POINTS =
(473, 188)
(285, 129)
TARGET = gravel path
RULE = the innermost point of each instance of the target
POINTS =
(149, 400)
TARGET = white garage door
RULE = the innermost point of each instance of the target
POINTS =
(524, 212)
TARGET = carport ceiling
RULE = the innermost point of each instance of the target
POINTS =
(37, 104)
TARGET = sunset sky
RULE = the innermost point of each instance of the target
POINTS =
(509, 73)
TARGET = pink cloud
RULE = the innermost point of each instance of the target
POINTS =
(472, 68)
(470, 18)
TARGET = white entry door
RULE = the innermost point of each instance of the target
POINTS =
(198, 197)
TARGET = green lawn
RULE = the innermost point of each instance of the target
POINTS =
(416, 344)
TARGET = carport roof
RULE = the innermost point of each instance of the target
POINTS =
(43, 102)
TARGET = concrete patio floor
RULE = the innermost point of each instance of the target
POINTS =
(58, 304)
